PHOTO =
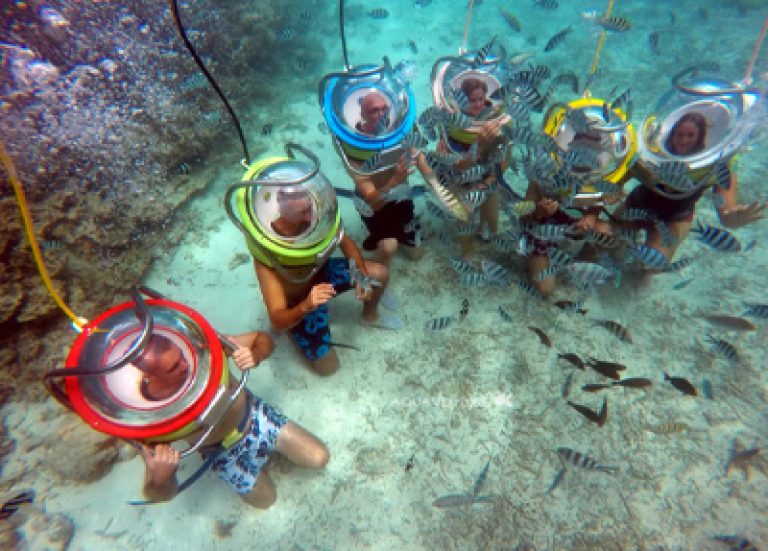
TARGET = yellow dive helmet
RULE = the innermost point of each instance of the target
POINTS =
(613, 141)
(276, 189)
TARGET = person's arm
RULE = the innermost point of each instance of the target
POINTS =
(733, 215)
(376, 197)
(352, 252)
(160, 465)
(282, 317)
(251, 348)
(545, 207)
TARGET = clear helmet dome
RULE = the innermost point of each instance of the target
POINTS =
(299, 214)
(606, 144)
(345, 96)
(725, 116)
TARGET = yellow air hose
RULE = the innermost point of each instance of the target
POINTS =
(21, 200)
(600, 42)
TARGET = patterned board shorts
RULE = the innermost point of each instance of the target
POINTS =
(313, 333)
(239, 466)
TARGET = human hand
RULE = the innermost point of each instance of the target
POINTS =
(490, 131)
(547, 207)
(161, 462)
(403, 169)
(362, 294)
(319, 295)
(741, 215)
(243, 356)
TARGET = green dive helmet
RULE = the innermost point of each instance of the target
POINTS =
(283, 192)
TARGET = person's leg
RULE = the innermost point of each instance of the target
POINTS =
(385, 250)
(379, 272)
(301, 447)
(327, 365)
(467, 246)
(263, 494)
(537, 264)
(489, 212)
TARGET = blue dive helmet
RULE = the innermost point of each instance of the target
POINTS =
(341, 95)
(734, 113)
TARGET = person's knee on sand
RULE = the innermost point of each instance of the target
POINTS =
(327, 365)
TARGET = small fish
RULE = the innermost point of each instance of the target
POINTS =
(51, 245)
(410, 463)
(459, 500)
(412, 45)
(266, 130)
(473, 279)
(616, 329)
(545, 340)
(575, 360)
(183, 168)
(599, 418)
(378, 13)
(556, 481)
(732, 323)
(547, 4)
(719, 239)
(505, 316)
(438, 324)
(681, 384)
(707, 390)
(482, 53)
(557, 39)
(323, 127)
(634, 382)
(737, 543)
(653, 42)
(12, 505)
(583, 461)
(724, 348)
(614, 24)
(521, 57)
(750, 244)
(510, 20)
(285, 34)
(682, 284)
(565, 391)
(672, 18)
(608, 369)
(672, 427)
(464, 309)
(421, 3)
(480, 481)
(305, 16)
(569, 306)
(597, 387)
(756, 310)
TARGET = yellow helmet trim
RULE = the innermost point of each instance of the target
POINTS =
(555, 119)
(286, 256)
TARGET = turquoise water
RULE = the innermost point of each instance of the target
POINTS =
(415, 415)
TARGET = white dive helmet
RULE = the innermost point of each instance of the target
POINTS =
(732, 111)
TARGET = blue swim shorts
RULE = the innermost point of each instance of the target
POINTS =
(313, 333)
(239, 466)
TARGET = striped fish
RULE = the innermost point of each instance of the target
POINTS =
(473, 279)
(737, 543)
(503, 244)
(634, 215)
(589, 273)
(623, 99)
(557, 39)
(724, 348)
(457, 120)
(568, 78)
(362, 207)
(583, 461)
(756, 310)
(475, 197)
(558, 257)
(460, 98)
(719, 239)
(556, 481)
(601, 239)
(438, 324)
(505, 315)
(462, 267)
(667, 237)
(458, 500)
(472, 175)
(614, 24)
(617, 329)
(679, 265)
(373, 163)
(722, 175)
(650, 257)
(482, 53)
(481, 478)
(675, 175)
(548, 232)
(448, 201)
(546, 273)
(495, 272)
(529, 289)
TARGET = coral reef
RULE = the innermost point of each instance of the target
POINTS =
(112, 128)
